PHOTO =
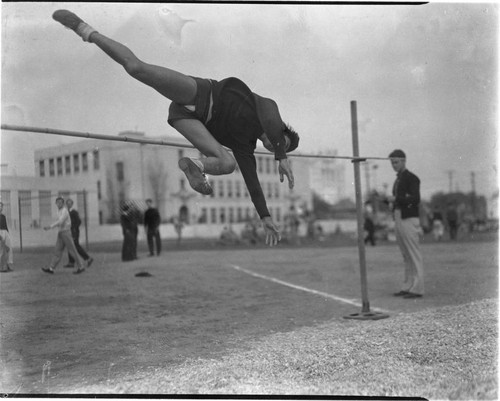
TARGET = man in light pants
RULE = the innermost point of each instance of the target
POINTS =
(64, 239)
(405, 202)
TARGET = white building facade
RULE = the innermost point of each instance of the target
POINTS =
(109, 173)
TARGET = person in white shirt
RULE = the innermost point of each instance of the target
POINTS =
(64, 239)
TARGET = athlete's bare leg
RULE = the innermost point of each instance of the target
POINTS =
(175, 86)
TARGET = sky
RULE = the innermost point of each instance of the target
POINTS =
(424, 78)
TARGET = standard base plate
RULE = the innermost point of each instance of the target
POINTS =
(367, 316)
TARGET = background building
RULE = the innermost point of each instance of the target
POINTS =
(112, 172)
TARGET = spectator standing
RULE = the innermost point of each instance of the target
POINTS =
(293, 223)
(128, 222)
(405, 205)
(64, 239)
(6, 257)
(369, 227)
(152, 221)
(452, 220)
(76, 222)
(437, 225)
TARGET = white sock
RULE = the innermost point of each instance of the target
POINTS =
(85, 30)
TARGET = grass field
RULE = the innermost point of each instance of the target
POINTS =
(215, 320)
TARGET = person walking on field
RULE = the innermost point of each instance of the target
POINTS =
(405, 204)
(152, 221)
(210, 114)
(6, 257)
(64, 239)
(75, 233)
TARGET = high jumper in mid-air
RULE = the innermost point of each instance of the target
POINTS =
(211, 115)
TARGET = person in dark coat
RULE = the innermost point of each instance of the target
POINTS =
(405, 201)
(152, 220)
(75, 233)
(128, 221)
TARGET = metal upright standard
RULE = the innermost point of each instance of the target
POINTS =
(365, 313)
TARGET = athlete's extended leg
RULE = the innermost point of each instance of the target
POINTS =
(172, 84)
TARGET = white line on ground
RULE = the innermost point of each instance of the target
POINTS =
(298, 287)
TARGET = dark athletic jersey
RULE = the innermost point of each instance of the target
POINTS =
(234, 123)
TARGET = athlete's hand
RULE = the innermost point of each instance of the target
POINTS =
(284, 168)
(273, 235)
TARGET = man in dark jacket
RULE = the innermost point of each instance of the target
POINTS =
(405, 204)
(152, 222)
(75, 233)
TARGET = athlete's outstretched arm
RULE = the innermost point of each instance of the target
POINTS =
(248, 168)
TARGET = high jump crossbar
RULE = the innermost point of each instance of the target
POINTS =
(150, 141)
(366, 313)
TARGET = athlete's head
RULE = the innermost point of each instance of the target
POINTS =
(291, 140)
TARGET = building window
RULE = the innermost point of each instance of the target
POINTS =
(67, 164)
(231, 215)
(121, 198)
(275, 167)
(238, 189)
(222, 215)
(41, 165)
(229, 189)
(26, 207)
(85, 162)
(99, 194)
(120, 174)
(269, 190)
(259, 164)
(59, 166)
(97, 161)
(276, 190)
(239, 215)
(213, 215)
(76, 163)
(45, 204)
(203, 216)
(268, 165)
(51, 167)
(221, 189)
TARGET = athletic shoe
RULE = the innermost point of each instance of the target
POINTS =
(89, 262)
(80, 270)
(195, 176)
(6, 270)
(67, 18)
(49, 270)
(400, 293)
(69, 266)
